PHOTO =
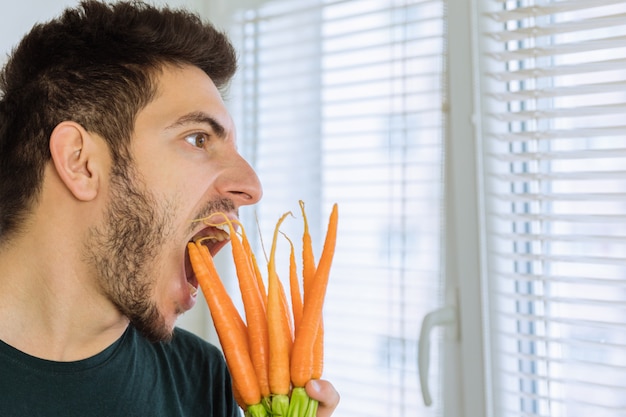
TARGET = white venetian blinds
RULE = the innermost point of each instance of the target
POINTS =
(341, 101)
(554, 106)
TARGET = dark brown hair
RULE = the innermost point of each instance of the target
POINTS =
(96, 65)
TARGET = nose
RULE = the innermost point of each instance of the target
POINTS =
(240, 183)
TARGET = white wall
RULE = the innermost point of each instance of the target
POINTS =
(18, 17)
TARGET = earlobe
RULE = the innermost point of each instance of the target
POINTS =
(73, 155)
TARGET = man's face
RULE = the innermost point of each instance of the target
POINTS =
(185, 166)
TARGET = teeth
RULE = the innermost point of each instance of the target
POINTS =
(193, 290)
(219, 234)
(224, 228)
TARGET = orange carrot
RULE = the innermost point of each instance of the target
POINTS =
(308, 259)
(302, 352)
(239, 399)
(294, 287)
(254, 308)
(227, 320)
(308, 272)
(255, 265)
(289, 330)
(318, 352)
(278, 327)
(228, 305)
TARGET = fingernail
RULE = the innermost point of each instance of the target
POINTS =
(315, 385)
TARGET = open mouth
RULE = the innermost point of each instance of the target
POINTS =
(214, 238)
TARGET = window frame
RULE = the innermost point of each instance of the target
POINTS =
(467, 284)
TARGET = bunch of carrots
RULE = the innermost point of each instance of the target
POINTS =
(275, 352)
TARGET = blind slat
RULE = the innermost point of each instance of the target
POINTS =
(561, 70)
(558, 92)
(560, 49)
(543, 237)
(555, 112)
(547, 8)
(573, 259)
(590, 324)
(583, 175)
(564, 155)
(580, 343)
(554, 300)
(551, 197)
(565, 218)
(562, 278)
(559, 28)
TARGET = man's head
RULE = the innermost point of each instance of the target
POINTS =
(95, 65)
(114, 113)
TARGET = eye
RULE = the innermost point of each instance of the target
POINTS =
(197, 139)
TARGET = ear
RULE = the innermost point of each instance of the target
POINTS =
(75, 157)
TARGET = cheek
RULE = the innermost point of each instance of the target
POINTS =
(169, 285)
(190, 189)
(167, 270)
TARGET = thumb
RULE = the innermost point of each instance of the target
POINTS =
(325, 393)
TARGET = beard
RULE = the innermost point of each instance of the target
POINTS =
(125, 247)
(124, 250)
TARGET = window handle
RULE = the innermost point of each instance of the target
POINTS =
(445, 316)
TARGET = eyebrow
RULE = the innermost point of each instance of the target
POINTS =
(200, 117)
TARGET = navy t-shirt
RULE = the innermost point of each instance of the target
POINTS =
(133, 377)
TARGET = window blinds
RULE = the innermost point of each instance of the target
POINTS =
(554, 136)
(341, 101)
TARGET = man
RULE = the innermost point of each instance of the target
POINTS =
(113, 139)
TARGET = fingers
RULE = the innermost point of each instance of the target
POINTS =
(324, 392)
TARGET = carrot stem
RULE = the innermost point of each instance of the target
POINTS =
(301, 405)
(257, 410)
(280, 405)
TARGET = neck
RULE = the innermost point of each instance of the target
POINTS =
(50, 304)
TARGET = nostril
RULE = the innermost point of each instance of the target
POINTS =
(250, 193)
(243, 195)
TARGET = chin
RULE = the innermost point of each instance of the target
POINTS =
(155, 335)
(153, 325)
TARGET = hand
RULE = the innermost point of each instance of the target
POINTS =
(324, 392)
